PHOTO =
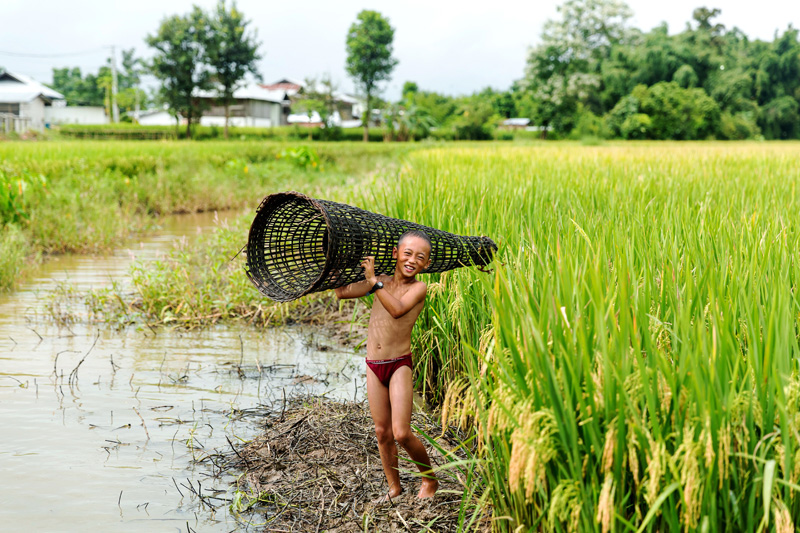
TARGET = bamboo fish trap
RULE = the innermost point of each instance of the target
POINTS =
(298, 245)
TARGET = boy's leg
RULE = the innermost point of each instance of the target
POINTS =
(381, 411)
(401, 391)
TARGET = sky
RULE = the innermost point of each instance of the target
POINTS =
(450, 46)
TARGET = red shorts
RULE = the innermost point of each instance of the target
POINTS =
(384, 368)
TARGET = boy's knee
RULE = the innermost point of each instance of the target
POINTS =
(403, 435)
(384, 434)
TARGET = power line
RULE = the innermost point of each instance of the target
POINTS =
(46, 56)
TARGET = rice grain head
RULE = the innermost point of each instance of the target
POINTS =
(609, 447)
(532, 447)
(565, 506)
(656, 467)
(605, 504)
(783, 519)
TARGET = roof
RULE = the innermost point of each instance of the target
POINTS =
(254, 91)
(516, 122)
(21, 88)
(286, 84)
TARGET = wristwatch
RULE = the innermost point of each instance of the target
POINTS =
(377, 286)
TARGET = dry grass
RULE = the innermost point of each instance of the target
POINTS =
(316, 467)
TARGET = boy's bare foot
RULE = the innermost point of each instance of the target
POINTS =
(386, 498)
(428, 488)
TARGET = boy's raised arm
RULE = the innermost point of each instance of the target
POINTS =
(354, 290)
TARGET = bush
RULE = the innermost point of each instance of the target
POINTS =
(475, 122)
(737, 127)
(665, 111)
(135, 132)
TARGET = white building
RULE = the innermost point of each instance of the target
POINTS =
(56, 115)
(253, 105)
(349, 108)
(157, 117)
(23, 102)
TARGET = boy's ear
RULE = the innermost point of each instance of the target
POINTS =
(394, 252)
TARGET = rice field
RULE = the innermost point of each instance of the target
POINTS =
(632, 363)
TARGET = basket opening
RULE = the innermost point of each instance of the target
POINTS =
(293, 246)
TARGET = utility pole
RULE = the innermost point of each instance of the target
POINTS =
(114, 106)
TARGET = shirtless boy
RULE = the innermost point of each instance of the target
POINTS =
(398, 302)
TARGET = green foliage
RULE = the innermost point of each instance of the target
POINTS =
(180, 63)
(14, 251)
(590, 58)
(665, 111)
(780, 118)
(474, 121)
(634, 358)
(563, 70)
(77, 89)
(302, 157)
(318, 96)
(231, 51)
(369, 55)
(18, 191)
(95, 89)
(738, 126)
(79, 196)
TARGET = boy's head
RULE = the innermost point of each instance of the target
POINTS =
(413, 253)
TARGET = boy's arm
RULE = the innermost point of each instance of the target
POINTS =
(354, 290)
(406, 303)
(395, 307)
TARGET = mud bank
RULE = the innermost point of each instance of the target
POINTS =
(316, 467)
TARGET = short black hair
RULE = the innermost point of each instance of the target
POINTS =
(416, 233)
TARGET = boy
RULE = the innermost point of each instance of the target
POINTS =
(398, 303)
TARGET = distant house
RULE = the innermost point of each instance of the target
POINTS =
(57, 115)
(349, 108)
(23, 101)
(157, 117)
(253, 105)
(515, 124)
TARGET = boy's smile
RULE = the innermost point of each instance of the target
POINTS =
(413, 256)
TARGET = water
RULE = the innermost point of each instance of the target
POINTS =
(104, 447)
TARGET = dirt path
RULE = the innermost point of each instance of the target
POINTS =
(316, 468)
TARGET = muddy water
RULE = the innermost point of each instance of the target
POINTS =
(108, 444)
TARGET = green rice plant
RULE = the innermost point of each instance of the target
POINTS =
(14, 249)
(89, 197)
(632, 364)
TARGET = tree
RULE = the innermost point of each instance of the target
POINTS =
(410, 88)
(318, 97)
(475, 120)
(231, 51)
(565, 68)
(179, 63)
(77, 89)
(369, 56)
(665, 111)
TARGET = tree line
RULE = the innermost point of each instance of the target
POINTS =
(592, 74)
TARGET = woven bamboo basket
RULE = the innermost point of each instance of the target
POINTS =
(299, 245)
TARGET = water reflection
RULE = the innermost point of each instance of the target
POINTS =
(100, 426)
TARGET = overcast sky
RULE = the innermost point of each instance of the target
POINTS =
(450, 46)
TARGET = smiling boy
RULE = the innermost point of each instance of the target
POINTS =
(398, 302)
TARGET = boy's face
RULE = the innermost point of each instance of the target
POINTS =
(413, 256)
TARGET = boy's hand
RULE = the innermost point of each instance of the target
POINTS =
(368, 264)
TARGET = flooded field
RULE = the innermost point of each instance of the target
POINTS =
(100, 427)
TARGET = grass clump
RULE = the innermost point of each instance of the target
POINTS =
(89, 196)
